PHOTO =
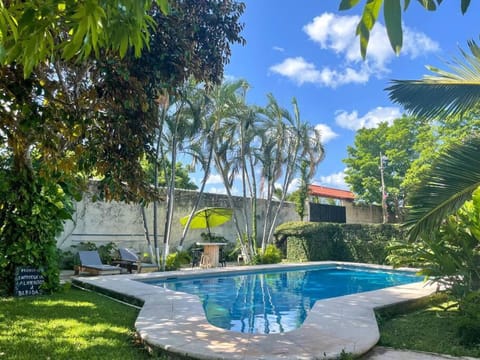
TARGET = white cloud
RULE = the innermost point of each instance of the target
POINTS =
(352, 121)
(336, 34)
(326, 133)
(300, 71)
(417, 44)
(216, 190)
(214, 179)
(279, 49)
(336, 180)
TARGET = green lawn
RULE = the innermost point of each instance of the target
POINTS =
(431, 329)
(74, 324)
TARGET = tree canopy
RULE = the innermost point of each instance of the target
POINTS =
(396, 143)
(32, 32)
(67, 114)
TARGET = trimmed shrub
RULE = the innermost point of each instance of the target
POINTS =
(308, 241)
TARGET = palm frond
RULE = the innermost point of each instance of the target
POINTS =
(450, 183)
(446, 93)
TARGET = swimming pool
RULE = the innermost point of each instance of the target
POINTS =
(175, 322)
(277, 301)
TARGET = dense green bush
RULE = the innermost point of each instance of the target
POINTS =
(307, 241)
(469, 329)
(31, 215)
(175, 260)
(272, 255)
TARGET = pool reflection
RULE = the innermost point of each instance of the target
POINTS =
(276, 302)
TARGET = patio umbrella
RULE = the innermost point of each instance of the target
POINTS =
(209, 217)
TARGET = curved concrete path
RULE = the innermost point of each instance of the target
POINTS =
(176, 321)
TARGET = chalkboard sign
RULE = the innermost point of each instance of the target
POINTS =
(28, 281)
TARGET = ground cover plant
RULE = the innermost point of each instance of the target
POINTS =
(73, 324)
(434, 328)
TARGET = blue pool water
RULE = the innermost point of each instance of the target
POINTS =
(277, 301)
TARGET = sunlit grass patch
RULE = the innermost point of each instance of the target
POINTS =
(71, 325)
(432, 329)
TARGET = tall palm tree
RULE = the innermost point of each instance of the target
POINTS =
(287, 142)
(457, 173)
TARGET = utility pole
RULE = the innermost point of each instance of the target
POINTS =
(384, 194)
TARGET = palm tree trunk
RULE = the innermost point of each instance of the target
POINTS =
(146, 232)
(199, 196)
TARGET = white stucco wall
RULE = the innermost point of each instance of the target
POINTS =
(102, 222)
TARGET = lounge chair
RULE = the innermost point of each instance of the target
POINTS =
(131, 261)
(90, 262)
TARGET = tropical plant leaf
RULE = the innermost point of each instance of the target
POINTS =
(464, 5)
(347, 4)
(392, 12)
(451, 182)
(447, 93)
(428, 4)
(369, 17)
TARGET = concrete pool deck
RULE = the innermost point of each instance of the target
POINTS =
(176, 322)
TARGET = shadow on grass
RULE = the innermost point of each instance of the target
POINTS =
(71, 325)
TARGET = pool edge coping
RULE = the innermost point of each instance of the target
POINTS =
(175, 322)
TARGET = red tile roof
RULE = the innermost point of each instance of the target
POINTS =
(322, 191)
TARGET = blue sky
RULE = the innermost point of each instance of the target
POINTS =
(307, 49)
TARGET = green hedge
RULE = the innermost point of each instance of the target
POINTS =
(308, 241)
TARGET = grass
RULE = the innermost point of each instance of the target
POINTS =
(431, 329)
(73, 324)
(76, 324)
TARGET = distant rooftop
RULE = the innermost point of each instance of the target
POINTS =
(326, 192)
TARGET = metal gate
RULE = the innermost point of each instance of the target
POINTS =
(327, 213)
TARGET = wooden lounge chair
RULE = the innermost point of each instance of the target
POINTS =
(130, 260)
(90, 262)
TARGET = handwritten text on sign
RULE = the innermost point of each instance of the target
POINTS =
(28, 281)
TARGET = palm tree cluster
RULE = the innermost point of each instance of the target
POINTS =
(253, 149)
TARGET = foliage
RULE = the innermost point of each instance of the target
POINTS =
(271, 255)
(450, 182)
(397, 143)
(73, 324)
(432, 329)
(392, 12)
(305, 177)
(182, 179)
(451, 255)
(66, 259)
(175, 260)
(34, 32)
(436, 137)
(445, 93)
(469, 328)
(70, 119)
(209, 237)
(31, 215)
(303, 241)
